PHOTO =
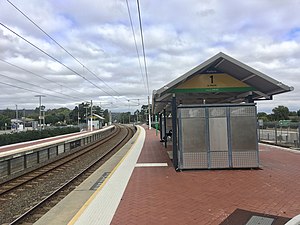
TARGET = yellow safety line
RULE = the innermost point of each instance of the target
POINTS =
(88, 202)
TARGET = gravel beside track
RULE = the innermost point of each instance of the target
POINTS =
(16, 202)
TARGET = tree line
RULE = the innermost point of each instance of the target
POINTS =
(280, 113)
(65, 116)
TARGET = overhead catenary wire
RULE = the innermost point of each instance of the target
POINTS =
(35, 74)
(84, 66)
(22, 88)
(135, 43)
(24, 82)
(143, 46)
(56, 60)
(145, 64)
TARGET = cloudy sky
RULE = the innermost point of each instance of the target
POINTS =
(178, 35)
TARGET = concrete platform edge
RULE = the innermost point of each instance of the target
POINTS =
(108, 196)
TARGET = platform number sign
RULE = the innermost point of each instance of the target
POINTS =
(213, 82)
(211, 79)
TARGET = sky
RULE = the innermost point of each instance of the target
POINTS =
(103, 64)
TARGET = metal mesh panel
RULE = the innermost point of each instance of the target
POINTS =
(43, 155)
(194, 160)
(217, 112)
(209, 136)
(243, 134)
(219, 160)
(16, 164)
(218, 134)
(3, 169)
(67, 147)
(192, 112)
(60, 149)
(31, 159)
(52, 152)
(245, 159)
(242, 111)
(193, 135)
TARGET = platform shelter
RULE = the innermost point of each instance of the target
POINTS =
(213, 114)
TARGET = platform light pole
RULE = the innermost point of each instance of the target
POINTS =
(40, 111)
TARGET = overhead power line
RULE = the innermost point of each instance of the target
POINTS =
(136, 48)
(24, 82)
(65, 50)
(144, 54)
(35, 74)
(143, 46)
(56, 60)
(22, 88)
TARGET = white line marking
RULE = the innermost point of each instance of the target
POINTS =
(151, 164)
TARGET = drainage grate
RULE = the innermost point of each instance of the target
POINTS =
(100, 181)
(259, 220)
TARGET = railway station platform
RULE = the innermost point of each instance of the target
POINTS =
(144, 188)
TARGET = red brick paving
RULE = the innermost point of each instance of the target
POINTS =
(163, 196)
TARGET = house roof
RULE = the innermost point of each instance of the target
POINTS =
(235, 82)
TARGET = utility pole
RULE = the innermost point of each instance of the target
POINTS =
(24, 119)
(129, 111)
(17, 118)
(43, 117)
(91, 115)
(40, 112)
(109, 120)
(86, 106)
(78, 115)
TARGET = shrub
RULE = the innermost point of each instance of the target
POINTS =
(6, 139)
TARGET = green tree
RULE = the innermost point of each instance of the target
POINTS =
(281, 113)
(263, 116)
(9, 113)
(106, 115)
(144, 113)
(4, 120)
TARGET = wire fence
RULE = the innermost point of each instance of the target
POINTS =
(287, 135)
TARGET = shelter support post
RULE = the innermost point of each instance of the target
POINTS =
(165, 128)
(174, 132)
(160, 125)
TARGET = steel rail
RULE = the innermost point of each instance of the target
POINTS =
(30, 211)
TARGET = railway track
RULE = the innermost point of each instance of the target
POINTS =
(27, 198)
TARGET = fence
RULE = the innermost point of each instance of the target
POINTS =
(275, 133)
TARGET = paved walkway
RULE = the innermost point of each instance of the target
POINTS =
(159, 195)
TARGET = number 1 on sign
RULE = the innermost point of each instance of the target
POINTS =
(211, 79)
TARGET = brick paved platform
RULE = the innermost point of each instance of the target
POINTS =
(159, 195)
